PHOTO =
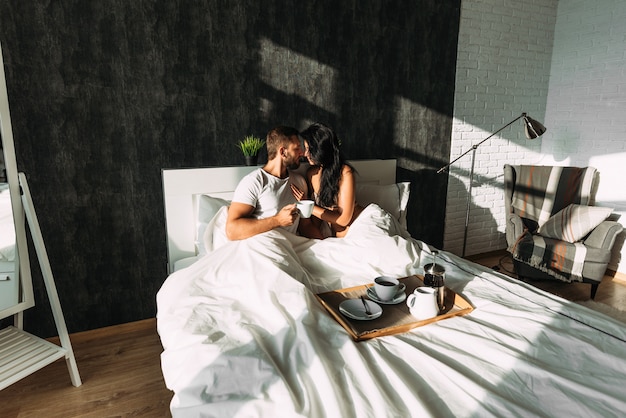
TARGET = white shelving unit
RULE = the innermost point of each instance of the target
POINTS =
(22, 353)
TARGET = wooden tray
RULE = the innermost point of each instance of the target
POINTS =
(395, 319)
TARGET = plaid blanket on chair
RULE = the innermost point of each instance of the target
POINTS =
(540, 192)
(559, 259)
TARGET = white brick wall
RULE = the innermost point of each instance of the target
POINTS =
(502, 70)
(564, 66)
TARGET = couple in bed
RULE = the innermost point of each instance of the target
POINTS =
(265, 199)
(371, 242)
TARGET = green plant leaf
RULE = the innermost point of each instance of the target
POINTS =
(251, 145)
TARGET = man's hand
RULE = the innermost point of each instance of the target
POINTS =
(287, 215)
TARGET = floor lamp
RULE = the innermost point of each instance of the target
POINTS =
(532, 129)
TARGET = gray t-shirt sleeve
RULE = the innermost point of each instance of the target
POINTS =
(249, 189)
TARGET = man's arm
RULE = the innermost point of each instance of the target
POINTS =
(240, 224)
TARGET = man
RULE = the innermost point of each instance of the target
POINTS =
(263, 199)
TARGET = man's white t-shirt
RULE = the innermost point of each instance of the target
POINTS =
(268, 194)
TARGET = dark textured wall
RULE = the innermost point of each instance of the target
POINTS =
(104, 94)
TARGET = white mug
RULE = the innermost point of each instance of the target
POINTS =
(422, 303)
(305, 208)
(387, 288)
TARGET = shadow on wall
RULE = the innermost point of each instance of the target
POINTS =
(482, 226)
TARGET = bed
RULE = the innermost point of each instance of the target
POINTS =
(244, 334)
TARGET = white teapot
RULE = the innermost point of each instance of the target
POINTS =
(422, 303)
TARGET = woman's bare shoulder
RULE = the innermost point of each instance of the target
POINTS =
(347, 170)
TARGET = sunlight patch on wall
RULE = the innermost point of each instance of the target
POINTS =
(293, 73)
(266, 107)
(611, 189)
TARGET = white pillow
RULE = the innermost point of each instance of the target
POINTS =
(208, 207)
(215, 232)
(393, 198)
(574, 222)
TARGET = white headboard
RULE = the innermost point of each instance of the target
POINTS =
(181, 186)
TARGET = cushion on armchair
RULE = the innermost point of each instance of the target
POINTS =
(574, 222)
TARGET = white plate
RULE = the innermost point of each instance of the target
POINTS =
(400, 296)
(354, 309)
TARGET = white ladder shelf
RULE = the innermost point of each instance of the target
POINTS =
(21, 353)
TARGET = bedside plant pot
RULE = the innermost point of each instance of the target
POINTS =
(251, 159)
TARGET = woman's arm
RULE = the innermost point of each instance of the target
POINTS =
(308, 227)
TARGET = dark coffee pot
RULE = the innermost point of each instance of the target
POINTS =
(434, 276)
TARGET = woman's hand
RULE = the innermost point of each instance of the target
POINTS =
(297, 193)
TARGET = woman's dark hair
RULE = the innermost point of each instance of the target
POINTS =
(324, 151)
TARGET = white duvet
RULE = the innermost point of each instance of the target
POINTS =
(244, 336)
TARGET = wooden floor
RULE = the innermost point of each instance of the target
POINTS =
(121, 373)
(612, 290)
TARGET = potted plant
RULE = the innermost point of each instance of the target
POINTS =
(250, 147)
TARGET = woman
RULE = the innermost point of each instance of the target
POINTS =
(331, 181)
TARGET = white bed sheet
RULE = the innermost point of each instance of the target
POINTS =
(244, 336)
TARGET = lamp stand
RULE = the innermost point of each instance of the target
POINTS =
(540, 129)
(469, 199)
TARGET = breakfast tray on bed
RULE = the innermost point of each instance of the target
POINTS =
(395, 319)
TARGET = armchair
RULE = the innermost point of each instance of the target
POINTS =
(552, 228)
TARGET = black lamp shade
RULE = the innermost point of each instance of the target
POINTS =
(532, 128)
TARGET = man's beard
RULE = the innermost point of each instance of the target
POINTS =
(293, 163)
